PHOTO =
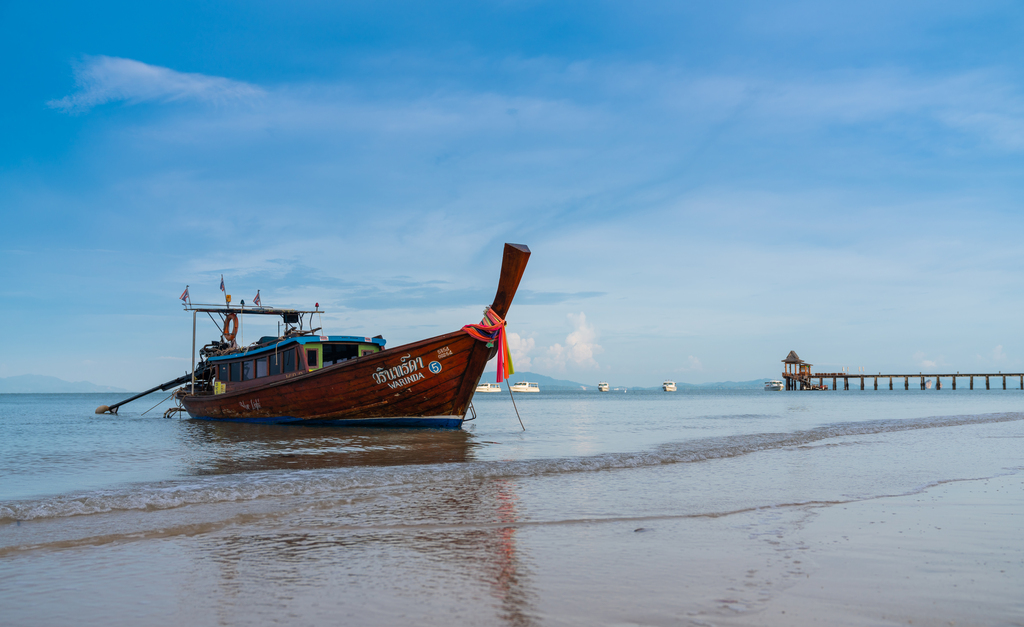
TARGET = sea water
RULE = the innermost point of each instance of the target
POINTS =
(693, 507)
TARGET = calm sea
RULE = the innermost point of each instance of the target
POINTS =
(585, 517)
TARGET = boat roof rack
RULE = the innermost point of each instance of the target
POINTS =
(266, 311)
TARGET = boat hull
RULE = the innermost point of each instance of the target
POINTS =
(429, 383)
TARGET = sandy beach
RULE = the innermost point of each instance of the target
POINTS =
(949, 555)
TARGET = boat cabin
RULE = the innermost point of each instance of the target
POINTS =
(287, 358)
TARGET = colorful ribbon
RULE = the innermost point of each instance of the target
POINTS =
(492, 329)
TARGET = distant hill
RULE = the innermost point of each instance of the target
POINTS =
(41, 384)
(548, 383)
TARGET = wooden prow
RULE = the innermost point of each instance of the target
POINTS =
(513, 264)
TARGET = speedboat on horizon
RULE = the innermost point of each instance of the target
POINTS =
(525, 386)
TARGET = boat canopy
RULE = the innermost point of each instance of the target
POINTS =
(303, 339)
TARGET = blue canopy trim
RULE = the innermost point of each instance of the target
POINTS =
(305, 339)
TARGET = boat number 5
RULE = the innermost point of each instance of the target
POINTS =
(435, 367)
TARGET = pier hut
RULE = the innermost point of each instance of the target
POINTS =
(796, 372)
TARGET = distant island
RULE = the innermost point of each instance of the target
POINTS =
(549, 383)
(41, 384)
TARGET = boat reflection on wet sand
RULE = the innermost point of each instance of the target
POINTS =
(224, 447)
(462, 540)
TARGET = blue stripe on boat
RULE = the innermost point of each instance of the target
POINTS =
(438, 422)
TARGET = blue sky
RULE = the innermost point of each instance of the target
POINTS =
(704, 187)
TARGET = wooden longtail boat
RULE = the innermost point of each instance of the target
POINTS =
(344, 380)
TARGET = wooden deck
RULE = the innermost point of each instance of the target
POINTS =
(805, 381)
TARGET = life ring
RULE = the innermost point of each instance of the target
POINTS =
(230, 327)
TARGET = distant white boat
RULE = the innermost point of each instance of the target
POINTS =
(524, 386)
(602, 386)
(488, 387)
(774, 385)
(669, 386)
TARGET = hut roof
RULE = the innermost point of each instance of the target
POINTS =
(792, 358)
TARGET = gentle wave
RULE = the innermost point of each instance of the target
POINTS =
(249, 486)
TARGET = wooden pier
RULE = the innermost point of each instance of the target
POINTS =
(798, 376)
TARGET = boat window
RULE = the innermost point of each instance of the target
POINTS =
(236, 371)
(337, 353)
(222, 372)
(288, 357)
(247, 370)
(261, 367)
(312, 358)
(275, 363)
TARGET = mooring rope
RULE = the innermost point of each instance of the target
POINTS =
(492, 330)
(154, 406)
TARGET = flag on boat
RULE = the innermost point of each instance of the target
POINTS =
(256, 301)
(492, 330)
(222, 284)
(184, 295)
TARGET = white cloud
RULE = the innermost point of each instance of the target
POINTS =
(927, 364)
(998, 354)
(111, 79)
(693, 364)
(521, 348)
(580, 346)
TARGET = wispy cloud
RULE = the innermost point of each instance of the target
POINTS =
(103, 79)
(580, 346)
(928, 364)
(521, 348)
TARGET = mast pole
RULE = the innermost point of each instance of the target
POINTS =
(193, 352)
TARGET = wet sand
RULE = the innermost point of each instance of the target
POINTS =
(948, 555)
(951, 555)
